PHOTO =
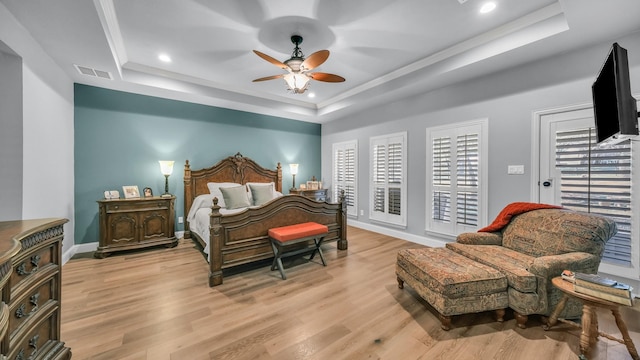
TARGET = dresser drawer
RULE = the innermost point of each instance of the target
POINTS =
(35, 341)
(28, 267)
(32, 304)
(122, 206)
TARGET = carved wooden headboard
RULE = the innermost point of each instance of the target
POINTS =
(237, 168)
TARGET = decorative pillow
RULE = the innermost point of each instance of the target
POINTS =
(261, 194)
(215, 187)
(271, 184)
(235, 197)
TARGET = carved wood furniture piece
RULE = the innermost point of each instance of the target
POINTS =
(283, 237)
(589, 321)
(242, 238)
(127, 224)
(317, 195)
(33, 289)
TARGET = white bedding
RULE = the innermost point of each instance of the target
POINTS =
(200, 223)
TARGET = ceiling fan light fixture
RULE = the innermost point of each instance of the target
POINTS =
(297, 65)
(297, 83)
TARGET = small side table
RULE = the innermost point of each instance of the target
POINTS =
(590, 331)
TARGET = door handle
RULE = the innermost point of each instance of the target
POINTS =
(547, 182)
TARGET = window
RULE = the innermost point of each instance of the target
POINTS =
(598, 180)
(345, 165)
(388, 179)
(456, 178)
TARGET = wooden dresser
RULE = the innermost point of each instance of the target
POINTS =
(127, 224)
(317, 195)
(33, 290)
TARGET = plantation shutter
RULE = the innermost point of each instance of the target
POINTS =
(379, 177)
(344, 174)
(350, 179)
(456, 178)
(388, 179)
(467, 155)
(597, 180)
(395, 178)
(338, 172)
(441, 195)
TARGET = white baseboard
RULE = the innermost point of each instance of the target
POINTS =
(91, 247)
(78, 249)
(422, 240)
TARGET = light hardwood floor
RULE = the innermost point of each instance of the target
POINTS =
(155, 304)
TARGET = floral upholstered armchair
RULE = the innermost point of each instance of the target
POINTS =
(531, 244)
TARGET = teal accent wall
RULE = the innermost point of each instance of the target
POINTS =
(119, 138)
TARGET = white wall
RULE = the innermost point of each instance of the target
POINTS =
(47, 121)
(508, 99)
(10, 135)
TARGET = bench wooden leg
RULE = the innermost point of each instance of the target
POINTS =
(277, 261)
(317, 243)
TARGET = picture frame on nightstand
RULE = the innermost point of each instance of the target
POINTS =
(131, 191)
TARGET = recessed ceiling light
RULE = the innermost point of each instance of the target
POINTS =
(164, 58)
(487, 7)
(311, 95)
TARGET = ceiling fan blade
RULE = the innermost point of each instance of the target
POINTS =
(319, 76)
(275, 62)
(269, 77)
(314, 60)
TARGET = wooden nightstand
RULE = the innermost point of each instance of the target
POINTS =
(127, 224)
(317, 195)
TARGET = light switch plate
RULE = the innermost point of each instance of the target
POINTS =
(515, 169)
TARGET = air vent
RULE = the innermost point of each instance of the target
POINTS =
(93, 72)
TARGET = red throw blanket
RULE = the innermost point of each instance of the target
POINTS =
(512, 210)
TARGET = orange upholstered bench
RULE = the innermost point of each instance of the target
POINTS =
(288, 235)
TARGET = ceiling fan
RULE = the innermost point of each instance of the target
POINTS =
(297, 66)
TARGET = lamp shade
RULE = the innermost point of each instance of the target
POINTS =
(297, 82)
(293, 168)
(166, 167)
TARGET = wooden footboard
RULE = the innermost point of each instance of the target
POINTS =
(243, 238)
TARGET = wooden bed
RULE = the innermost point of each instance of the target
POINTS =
(243, 237)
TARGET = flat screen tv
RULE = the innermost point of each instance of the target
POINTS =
(615, 110)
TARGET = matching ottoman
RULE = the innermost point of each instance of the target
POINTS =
(451, 283)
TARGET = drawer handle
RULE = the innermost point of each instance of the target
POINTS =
(20, 311)
(22, 268)
(33, 300)
(33, 342)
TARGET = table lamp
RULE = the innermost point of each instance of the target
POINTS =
(294, 170)
(166, 168)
